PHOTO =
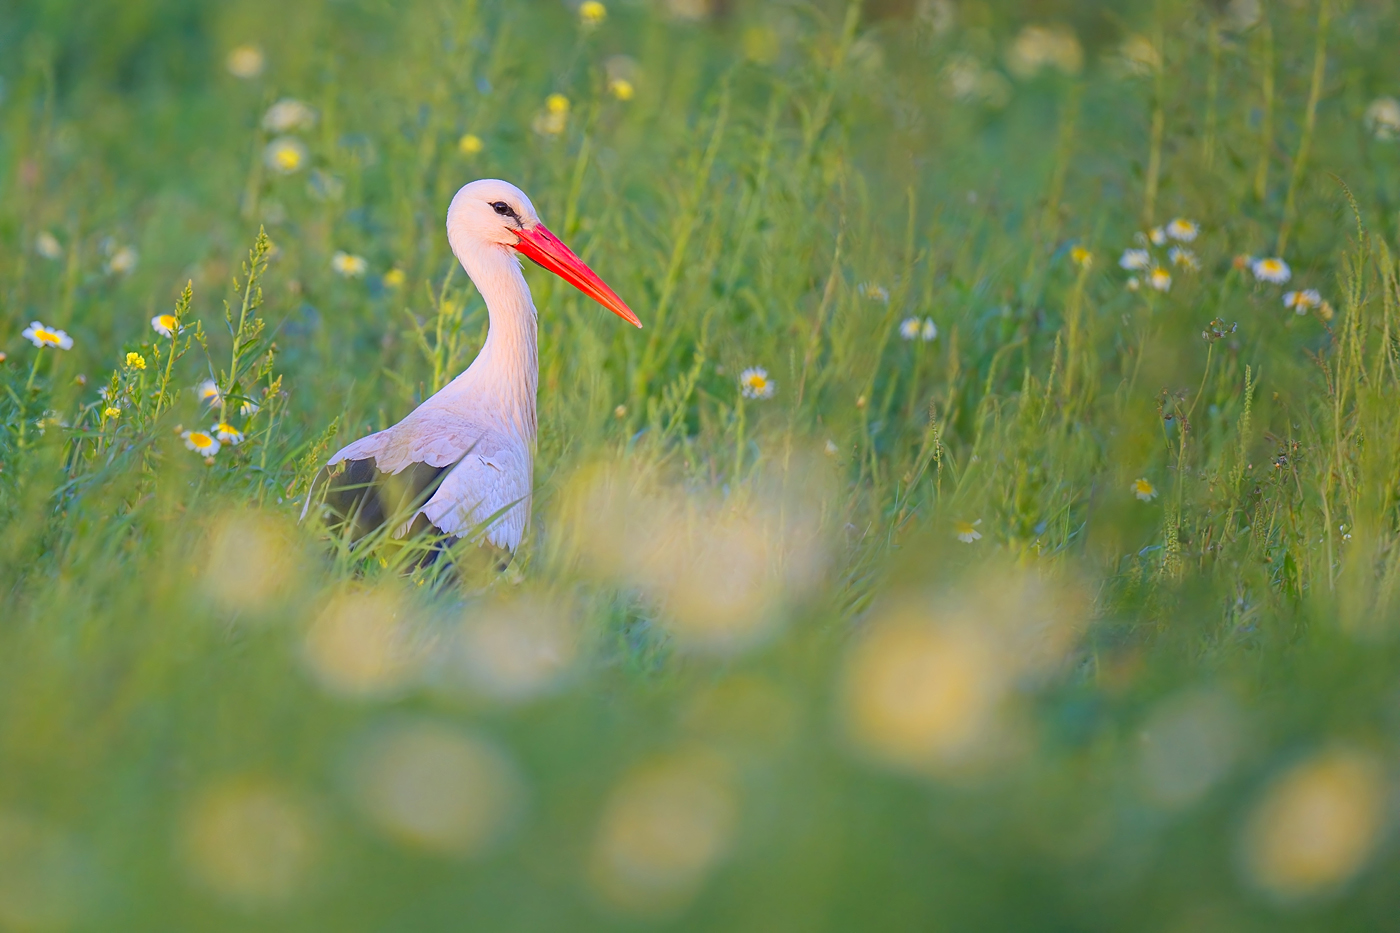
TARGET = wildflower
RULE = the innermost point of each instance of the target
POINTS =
(470, 144)
(111, 411)
(1383, 119)
(755, 383)
(394, 278)
(288, 114)
(135, 361)
(200, 443)
(1133, 284)
(909, 328)
(831, 448)
(285, 155)
(621, 88)
(1304, 301)
(249, 409)
(591, 13)
(3, 356)
(929, 331)
(1181, 256)
(875, 292)
(1081, 257)
(1135, 259)
(1157, 235)
(208, 391)
(122, 260)
(555, 117)
(47, 245)
(1325, 312)
(245, 61)
(1140, 56)
(1242, 262)
(1038, 47)
(1272, 270)
(1160, 279)
(164, 324)
(1144, 490)
(226, 434)
(967, 531)
(42, 336)
(1183, 230)
(620, 412)
(348, 265)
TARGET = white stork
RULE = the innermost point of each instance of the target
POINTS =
(474, 439)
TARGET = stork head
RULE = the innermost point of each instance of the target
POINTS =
(491, 213)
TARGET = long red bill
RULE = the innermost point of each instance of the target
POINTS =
(549, 251)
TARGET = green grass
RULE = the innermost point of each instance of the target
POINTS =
(743, 674)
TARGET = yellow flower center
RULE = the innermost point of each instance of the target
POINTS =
(200, 439)
(556, 103)
(470, 144)
(622, 89)
(47, 336)
(288, 158)
(167, 321)
(592, 12)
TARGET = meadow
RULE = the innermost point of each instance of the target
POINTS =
(995, 526)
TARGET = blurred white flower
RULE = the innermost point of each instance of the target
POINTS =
(1183, 257)
(1144, 489)
(1183, 230)
(1304, 301)
(875, 292)
(122, 260)
(1038, 47)
(164, 324)
(208, 391)
(754, 383)
(1383, 118)
(47, 245)
(1135, 259)
(285, 155)
(1272, 270)
(288, 114)
(1160, 279)
(201, 443)
(227, 434)
(43, 336)
(967, 531)
(245, 61)
(348, 265)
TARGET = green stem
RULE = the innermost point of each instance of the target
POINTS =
(1309, 124)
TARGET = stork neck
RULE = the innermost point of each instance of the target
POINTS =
(505, 374)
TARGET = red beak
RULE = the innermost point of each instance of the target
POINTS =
(538, 244)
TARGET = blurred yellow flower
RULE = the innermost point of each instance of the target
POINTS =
(362, 645)
(111, 412)
(1140, 56)
(122, 260)
(245, 61)
(1144, 490)
(1160, 279)
(555, 117)
(1304, 301)
(556, 103)
(1038, 47)
(621, 88)
(348, 265)
(1081, 257)
(248, 841)
(394, 278)
(591, 12)
(164, 324)
(285, 155)
(1183, 257)
(135, 361)
(1383, 118)
(470, 144)
(1183, 230)
(1316, 825)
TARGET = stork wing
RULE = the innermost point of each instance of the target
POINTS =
(489, 489)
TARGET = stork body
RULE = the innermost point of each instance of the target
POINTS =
(475, 439)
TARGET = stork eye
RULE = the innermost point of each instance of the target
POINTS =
(502, 208)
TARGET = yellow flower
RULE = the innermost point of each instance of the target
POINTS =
(1081, 257)
(556, 103)
(111, 412)
(591, 12)
(245, 61)
(135, 361)
(201, 443)
(967, 531)
(1144, 490)
(555, 117)
(285, 155)
(1160, 279)
(621, 88)
(164, 324)
(470, 144)
(394, 278)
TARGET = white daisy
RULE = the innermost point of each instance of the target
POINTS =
(349, 265)
(47, 245)
(164, 324)
(967, 531)
(1135, 260)
(754, 383)
(1304, 301)
(1144, 490)
(43, 336)
(1157, 235)
(203, 444)
(1160, 279)
(288, 114)
(1183, 230)
(1181, 256)
(208, 391)
(1273, 270)
(227, 434)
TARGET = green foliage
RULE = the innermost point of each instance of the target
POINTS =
(1035, 597)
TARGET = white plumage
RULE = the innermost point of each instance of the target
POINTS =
(480, 428)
